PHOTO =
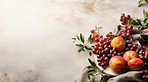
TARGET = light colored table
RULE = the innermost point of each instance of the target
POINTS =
(35, 35)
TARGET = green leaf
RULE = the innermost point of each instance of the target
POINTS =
(81, 37)
(92, 46)
(90, 53)
(140, 3)
(90, 67)
(87, 48)
(81, 49)
(93, 71)
(134, 22)
(89, 39)
(144, 13)
(91, 78)
(145, 22)
(79, 45)
(146, 1)
(92, 63)
(73, 38)
(78, 37)
(103, 79)
(140, 28)
(139, 22)
(145, 27)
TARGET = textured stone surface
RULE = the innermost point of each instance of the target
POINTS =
(35, 36)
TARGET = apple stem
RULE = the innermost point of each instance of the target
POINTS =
(130, 58)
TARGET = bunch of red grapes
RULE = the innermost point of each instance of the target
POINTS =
(105, 51)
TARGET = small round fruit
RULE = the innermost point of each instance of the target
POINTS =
(92, 31)
(117, 63)
(135, 64)
(118, 43)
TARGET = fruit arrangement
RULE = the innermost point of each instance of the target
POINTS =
(119, 51)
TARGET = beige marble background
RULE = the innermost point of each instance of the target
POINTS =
(35, 35)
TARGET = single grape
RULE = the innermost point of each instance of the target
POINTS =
(100, 48)
(130, 45)
(128, 35)
(128, 16)
(123, 15)
(114, 49)
(103, 51)
(99, 63)
(97, 45)
(106, 49)
(146, 57)
(145, 72)
(96, 35)
(92, 31)
(145, 78)
(131, 27)
(93, 38)
(101, 36)
(102, 64)
(97, 39)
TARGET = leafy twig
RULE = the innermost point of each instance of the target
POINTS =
(140, 2)
(141, 24)
(83, 46)
(93, 72)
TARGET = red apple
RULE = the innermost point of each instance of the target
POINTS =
(117, 63)
(130, 55)
(135, 64)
